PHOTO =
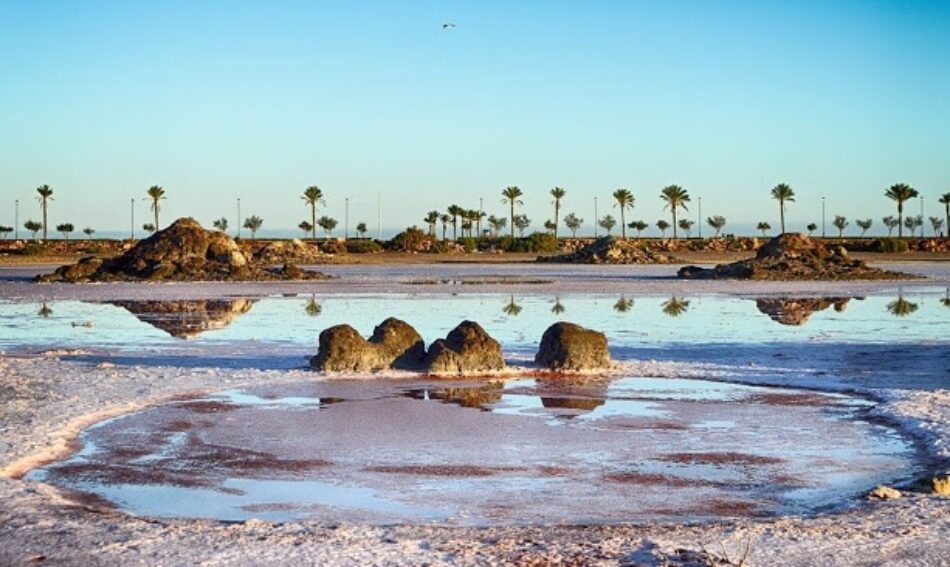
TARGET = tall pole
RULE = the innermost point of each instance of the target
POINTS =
(596, 220)
(132, 219)
(822, 217)
(921, 215)
(379, 215)
(699, 221)
(346, 220)
(481, 212)
(239, 217)
(16, 220)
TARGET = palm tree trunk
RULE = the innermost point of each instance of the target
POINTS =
(44, 219)
(674, 221)
(313, 221)
(557, 207)
(155, 207)
(900, 219)
(623, 225)
(781, 207)
(512, 219)
(455, 234)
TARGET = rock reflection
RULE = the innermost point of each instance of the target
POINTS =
(675, 306)
(188, 318)
(797, 311)
(478, 397)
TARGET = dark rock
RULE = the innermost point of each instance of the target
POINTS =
(182, 252)
(566, 346)
(611, 250)
(394, 344)
(793, 256)
(466, 349)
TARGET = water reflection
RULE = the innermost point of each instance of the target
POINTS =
(623, 305)
(797, 311)
(313, 308)
(675, 306)
(946, 298)
(511, 308)
(44, 311)
(901, 307)
(558, 307)
(188, 318)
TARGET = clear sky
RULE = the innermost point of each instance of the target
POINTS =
(219, 100)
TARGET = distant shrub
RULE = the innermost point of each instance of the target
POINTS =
(441, 247)
(890, 246)
(535, 243)
(470, 244)
(413, 239)
(363, 247)
(35, 249)
(333, 247)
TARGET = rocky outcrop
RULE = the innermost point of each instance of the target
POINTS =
(466, 349)
(796, 312)
(941, 484)
(794, 256)
(182, 252)
(570, 347)
(187, 319)
(394, 344)
(611, 250)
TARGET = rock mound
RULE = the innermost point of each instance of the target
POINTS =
(793, 256)
(466, 349)
(611, 250)
(796, 312)
(182, 252)
(566, 346)
(294, 251)
(394, 344)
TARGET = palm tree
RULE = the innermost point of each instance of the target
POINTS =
(361, 229)
(782, 193)
(639, 226)
(573, 223)
(764, 227)
(607, 223)
(444, 219)
(89, 231)
(220, 224)
(455, 211)
(663, 226)
(675, 306)
(479, 215)
(840, 223)
(431, 218)
(550, 226)
(65, 229)
(937, 224)
(5, 231)
(327, 224)
(945, 201)
(497, 224)
(312, 196)
(900, 192)
(687, 226)
(675, 196)
(306, 227)
(718, 222)
(46, 195)
(253, 224)
(148, 227)
(812, 227)
(912, 223)
(864, 225)
(33, 226)
(521, 222)
(558, 193)
(512, 195)
(156, 194)
(890, 222)
(625, 201)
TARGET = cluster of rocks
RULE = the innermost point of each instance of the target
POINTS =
(467, 349)
(794, 256)
(293, 251)
(797, 311)
(182, 252)
(611, 250)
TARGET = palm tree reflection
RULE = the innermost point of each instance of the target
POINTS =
(313, 308)
(512, 309)
(44, 311)
(558, 307)
(900, 307)
(623, 305)
(675, 306)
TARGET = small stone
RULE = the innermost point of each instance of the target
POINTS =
(941, 484)
(885, 493)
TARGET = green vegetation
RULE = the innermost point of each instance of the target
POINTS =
(431, 218)
(607, 223)
(899, 193)
(253, 224)
(521, 222)
(313, 196)
(65, 229)
(573, 223)
(512, 195)
(220, 224)
(717, 222)
(148, 227)
(5, 231)
(840, 223)
(764, 227)
(783, 193)
(46, 195)
(812, 227)
(675, 196)
(33, 227)
(864, 225)
(945, 201)
(558, 193)
(306, 227)
(363, 247)
(891, 223)
(156, 194)
(89, 231)
(361, 229)
(890, 246)
(663, 226)
(625, 201)
(639, 226)
(687, 226)
(327, 224)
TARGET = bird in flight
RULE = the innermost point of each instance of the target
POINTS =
(448, 25)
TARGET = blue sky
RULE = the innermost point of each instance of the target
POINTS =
(219, 100)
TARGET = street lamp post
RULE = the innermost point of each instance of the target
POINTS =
(699, 221)
(132, 219)
(239, 217)
(16, 220)
(346, 219)
(822, 217)
(595, 217)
